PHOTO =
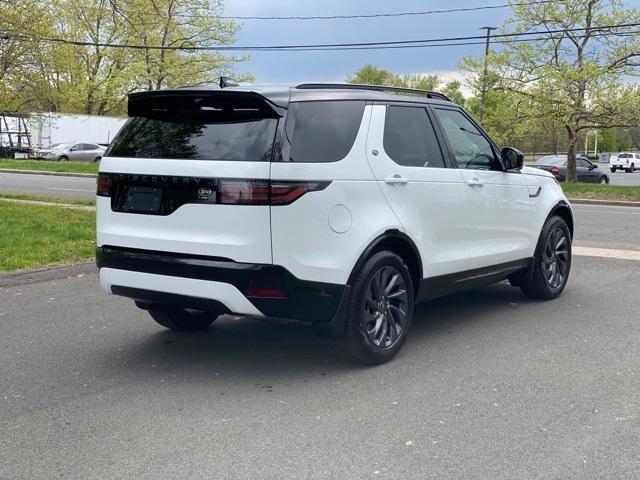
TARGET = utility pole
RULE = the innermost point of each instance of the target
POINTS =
(484, 75)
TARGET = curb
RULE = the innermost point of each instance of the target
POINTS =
(616, 203)
(25, 277)
(38, 172)
(91, 208)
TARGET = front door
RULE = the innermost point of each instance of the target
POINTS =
(499, 203)
(428, 197)
(586, 172)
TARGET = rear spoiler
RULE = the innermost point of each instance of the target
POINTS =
(154, 103)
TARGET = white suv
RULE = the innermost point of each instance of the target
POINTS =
(338, 205)
(626, 161)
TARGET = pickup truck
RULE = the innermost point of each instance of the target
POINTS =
(626, 161)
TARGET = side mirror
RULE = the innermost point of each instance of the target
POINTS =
(512, 159)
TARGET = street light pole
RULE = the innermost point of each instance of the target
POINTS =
(484, 75)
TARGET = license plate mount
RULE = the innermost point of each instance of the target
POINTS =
(143, 200)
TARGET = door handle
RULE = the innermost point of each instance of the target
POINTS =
(396, 180)
(475, 182)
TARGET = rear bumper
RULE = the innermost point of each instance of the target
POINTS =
(201, 282)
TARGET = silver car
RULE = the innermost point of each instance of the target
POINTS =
(76, 152)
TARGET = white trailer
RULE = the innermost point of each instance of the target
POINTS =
(49, 128)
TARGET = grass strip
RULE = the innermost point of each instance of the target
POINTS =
(34, 236)
(596, 191)
(49, 166)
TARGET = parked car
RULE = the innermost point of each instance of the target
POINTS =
(77, 152)
(338, 205)
(626, 161)
(585, 170)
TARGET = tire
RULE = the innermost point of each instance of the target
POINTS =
(97, 159)
(613, 169)
(63, 158)
(181, 319)
(547, 275)
(379, 311)
(632, 168)
(604, 180)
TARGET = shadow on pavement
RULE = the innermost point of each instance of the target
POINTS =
(283, 350)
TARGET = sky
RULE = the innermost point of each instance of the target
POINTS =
(291, 67)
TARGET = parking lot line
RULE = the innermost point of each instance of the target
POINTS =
(606, 253)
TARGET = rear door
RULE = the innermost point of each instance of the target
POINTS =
(189, 173)
(429, 199)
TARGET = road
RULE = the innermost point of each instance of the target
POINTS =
(85, 188)
(48, 185)
(489, 385)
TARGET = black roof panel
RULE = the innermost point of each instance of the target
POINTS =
(281, 95)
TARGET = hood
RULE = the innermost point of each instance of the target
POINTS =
(536, 171)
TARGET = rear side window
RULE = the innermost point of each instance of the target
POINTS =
(409, 138)
(197, 128)
(322, 131)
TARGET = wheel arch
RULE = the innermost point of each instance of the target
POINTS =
(563, 210)
(399, 243)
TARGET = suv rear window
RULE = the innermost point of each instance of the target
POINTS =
(409, 138)
(197, 128)
(322, 131)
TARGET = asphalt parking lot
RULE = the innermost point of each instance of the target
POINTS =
(489, 385)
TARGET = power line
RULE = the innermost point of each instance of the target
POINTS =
(345, 17)
(436, 42)
(381, 15)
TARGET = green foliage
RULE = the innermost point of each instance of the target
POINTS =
(570, 82)
(36, 75)
(371, 75)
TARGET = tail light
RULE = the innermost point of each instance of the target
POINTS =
(555, 171)
(284, 193)
(264, 192)
(103, 185)
(243, 192)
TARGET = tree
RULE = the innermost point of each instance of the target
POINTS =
(20, 58)
(371, 75)
(572, 78)
(43, 68)
(177, 25)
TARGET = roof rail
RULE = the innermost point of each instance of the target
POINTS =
(376, 88)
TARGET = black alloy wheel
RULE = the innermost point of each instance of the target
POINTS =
(386, 307)
(379, 309)
(555, 257)
(548, 273)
